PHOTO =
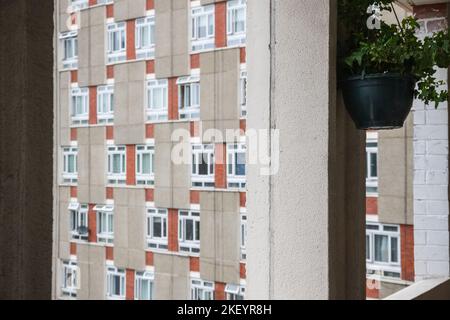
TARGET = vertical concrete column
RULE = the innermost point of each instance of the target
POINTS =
(306, 221)
(26, 149)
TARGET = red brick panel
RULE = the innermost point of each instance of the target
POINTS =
(372, 289)
(149, 195)
(407, 251)
(73, 249)
(194, 264)
(243, 55)
(129, 285)
(109, 133)
(150, 5)
(372, 205)
(221, 165)
(195, 128)
(173, 230)
(221, 24)
(73, 192)
(243, 271)
(149, 259)
(195, 61)
(173, 99)
(92, 105)
(150, 66)
(150, 131)
(243, 126)
(131, 47)
(73, 134)
(131, 165)
(243, 199)
(74, 76)
(110, 193)
(195, 197)
(110, 72)
(219, 293)
(110, 11)
(109, 253)
(92, 217)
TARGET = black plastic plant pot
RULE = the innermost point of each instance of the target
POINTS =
(379, 101)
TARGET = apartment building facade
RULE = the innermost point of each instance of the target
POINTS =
(138, 80)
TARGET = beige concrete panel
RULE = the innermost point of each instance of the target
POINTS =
(129, 9)
(83, 291)
(219, 256)
(64, 111)
(136, 225)
(64, 250)
(163, 68)
(97, 255)
(163, 174)
(121, 257)
(120, 226)
(171, 277)
(64, 221)
(63, 15)
(83, 165)
(97, 282)
(180, 34)
(136, 259)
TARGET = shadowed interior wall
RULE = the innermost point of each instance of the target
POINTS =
(26, 148)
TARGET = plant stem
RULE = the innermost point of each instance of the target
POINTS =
(398, 21)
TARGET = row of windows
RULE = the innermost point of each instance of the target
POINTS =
(156, 226)
(156, 100)
(144, 285)
(202, 166)
(202, 35)
(383, 250)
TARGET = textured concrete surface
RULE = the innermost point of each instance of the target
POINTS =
(26, 148)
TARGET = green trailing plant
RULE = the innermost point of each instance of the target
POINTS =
(392, 48)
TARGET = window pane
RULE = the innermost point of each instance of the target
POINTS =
(373, 165)
(381, 248)
(367, 247)
(146, 163)
(394, 249)
(145, 290)
(189, 230)
(157, 232)
(197, 230)
(240, 164)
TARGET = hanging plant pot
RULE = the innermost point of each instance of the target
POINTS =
(379, 101)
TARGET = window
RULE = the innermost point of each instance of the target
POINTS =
(372, 167)
(236, 22)
(145, 38)
(69, 279)
(203, 28)
(116, 42)
(69, 41)
(105, 104)
(189, 97)
(243, 94)
(235, 292)
(157, 100)
(203, 166)
(383, 249)
(236, 165)
(116, 165)
(145, 160)
(144, 286)
(243, 236)
(189, 231)
(79, 221)
(115, 283)
(105, 223)
(80, 105)
(70, 168)
(202, 290)
(157, 228)
(79, 4)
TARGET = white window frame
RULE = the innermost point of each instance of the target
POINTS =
(117, 178)
(186, 245)
(235, 292)
(202, 290)
(198, 152)
(379, 267)
(79, 213)
(70, 277)
(141, 277)
(79, 101)
(235, 181)
(371, 179)
(236, 38)
(105, 98)
(145, 52)
(189, 106)
(67, 176)
(105, 219)
(77, 5)
(243, 93)
(72, 38)
(243, 236)
(155, 114)
(199, 43)
(153, 242)
(111, 274)
(144, 178)
(120, 53)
